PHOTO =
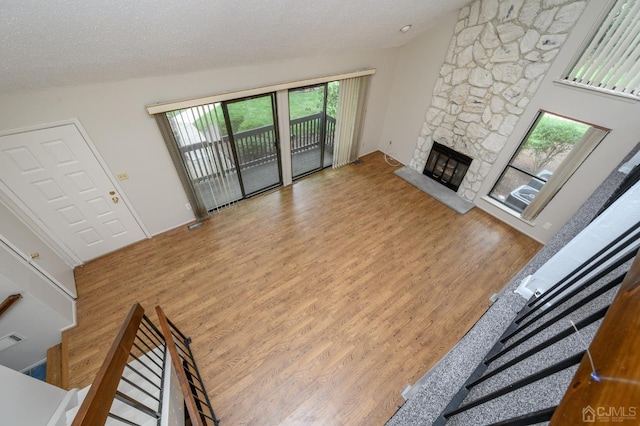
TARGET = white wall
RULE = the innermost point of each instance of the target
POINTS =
(416, 72)
(25, 401)
(613, 222)
(38, 322)
(127, 137)
(612, 112)
(115, 119)
(173, 408)
(45, 308)
(28, 243)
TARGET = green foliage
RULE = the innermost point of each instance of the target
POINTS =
(214, 117)
(332, 99)
(305, 102)
(310, 101)
(257, 112)
(551, 137)
(250, 114)
(175, 112)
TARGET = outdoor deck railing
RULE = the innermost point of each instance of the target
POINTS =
(305, 132)
(256, 146)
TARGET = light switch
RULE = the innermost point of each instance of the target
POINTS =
(122, 176)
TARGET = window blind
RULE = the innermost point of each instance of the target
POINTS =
(611, 61)
(346, 122)
(567, 168)
(226, 96)
(202, 157)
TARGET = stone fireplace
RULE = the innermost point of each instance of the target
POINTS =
(499, 54)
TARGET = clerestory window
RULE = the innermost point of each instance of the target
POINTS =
(610, 63)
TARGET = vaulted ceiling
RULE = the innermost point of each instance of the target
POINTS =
(50, 43)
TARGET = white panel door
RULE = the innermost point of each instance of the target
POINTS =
(57, 176)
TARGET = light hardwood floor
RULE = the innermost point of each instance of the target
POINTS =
(312, 304)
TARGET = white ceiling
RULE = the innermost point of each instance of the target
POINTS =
(49, 43)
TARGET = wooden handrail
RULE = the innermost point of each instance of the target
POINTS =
(615, 350)
(95, 408)
(189, 401)
(10, 300)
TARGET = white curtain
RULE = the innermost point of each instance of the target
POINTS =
(351, 97)
(576, 157)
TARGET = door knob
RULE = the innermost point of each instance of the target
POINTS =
(35, 255)
(112, 192)
(115, 199)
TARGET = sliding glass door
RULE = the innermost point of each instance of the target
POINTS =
(206, 154)
(254, 137)
(312, 127)
(229, 150)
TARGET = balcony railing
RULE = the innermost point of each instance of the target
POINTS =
(254, 147)
(305, 132)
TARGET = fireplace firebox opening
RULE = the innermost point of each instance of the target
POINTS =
(447, 166)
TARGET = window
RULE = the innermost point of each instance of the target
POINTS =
(611, 61)
(552, 151)
(312, 123)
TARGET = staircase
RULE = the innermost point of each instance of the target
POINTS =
(140, 389)
(148, 378)
(524, 377)
(570, 351)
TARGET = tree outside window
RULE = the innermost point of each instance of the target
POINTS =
(546, 150)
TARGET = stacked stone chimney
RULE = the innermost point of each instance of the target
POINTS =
(499, 54)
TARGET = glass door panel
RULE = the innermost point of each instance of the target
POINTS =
(207, 156)
(307, 127)
(255, 141)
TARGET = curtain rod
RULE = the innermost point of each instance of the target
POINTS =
(187, 103)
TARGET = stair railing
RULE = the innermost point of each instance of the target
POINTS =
(10, 300)
(610, 375)
(196, 399)
(139, 348)
(547, 342)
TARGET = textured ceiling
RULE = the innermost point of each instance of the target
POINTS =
(49, 43)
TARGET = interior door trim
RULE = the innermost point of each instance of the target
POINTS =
(19, 209)
(13, 203)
